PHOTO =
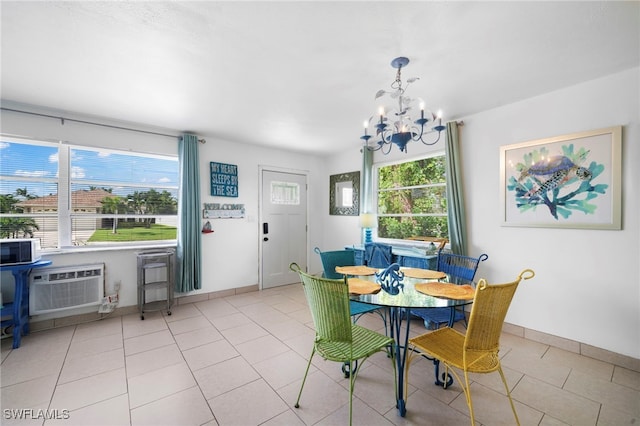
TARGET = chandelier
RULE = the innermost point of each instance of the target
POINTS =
(395, 126)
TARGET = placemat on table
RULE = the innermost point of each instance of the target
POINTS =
(356, 270)
(450, 291)
(425, 274)
(360, 286)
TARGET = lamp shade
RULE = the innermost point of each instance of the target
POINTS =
(368, 220)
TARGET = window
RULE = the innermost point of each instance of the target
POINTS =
(411, 199)
(71, 195)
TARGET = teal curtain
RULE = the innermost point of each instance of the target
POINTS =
(455, 198)
(366, 186)
(188, 258)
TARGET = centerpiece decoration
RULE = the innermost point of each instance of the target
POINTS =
(390, 279)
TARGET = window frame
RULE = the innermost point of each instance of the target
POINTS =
(375, 179)
(65, 182)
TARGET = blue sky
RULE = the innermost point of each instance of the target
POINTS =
(122, 172)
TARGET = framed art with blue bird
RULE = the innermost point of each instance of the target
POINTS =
(569, 181)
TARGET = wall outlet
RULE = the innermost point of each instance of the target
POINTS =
(112, 298)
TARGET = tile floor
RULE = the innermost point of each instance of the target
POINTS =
(239, 360)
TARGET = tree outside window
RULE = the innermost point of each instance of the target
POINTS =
(411, 199)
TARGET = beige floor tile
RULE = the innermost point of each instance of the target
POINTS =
(363, 414)
(133, 326)
(215, 308)
(154, 359)
(261, 348)
(113, 411)
(609, 394)
(181, 312)
(231, 408)
(303, 316)
(493, 408)
(103, 327)
(189, 324)
(283, 369)
(540, 368)
(574, 361)
(198, 337)
(243, 299)
(286, 329)
(288, 306)
(510, 342)
(225, 376)
(262, 313)
(320, 397)
(558, 403)
(90, 390)
(375, 387)
(184, 408)
(209, 354)
(625, 377)
(146, 342)
(547, 420)
(15, 370)
(233, 320)
(423, 409)
(99, 344)
(46, 341)
(243, 333)
(288, 418)
(90, 365)
(158, 384)
(35, 393)
(611, 416)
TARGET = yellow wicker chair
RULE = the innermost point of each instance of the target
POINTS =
(337, 338)
(477, 350)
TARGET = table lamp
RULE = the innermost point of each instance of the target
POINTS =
(368, 221)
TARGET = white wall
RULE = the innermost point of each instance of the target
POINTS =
(230, 254)
(587, 281)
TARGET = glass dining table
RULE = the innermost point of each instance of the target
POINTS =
(399, 306)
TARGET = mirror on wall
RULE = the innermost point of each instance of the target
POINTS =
(344, 194)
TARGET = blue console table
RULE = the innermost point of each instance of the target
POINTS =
(403, 256)
(19, 309)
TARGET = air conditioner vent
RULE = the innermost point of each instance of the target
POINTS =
(60, 288)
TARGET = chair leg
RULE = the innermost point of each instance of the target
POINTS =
(467, 391)
(305, 377)
(506, 388)
(352, 380)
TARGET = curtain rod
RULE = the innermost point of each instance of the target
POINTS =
(63, 119)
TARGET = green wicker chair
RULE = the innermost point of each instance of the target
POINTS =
(337, 338)
(477, 350)
(331, 259)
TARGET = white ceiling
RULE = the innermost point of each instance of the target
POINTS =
(301, 75)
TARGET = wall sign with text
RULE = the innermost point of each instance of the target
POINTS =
(224, 179)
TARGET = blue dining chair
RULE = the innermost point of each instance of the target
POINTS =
(331, 259)
(462, 269)
(378, 255)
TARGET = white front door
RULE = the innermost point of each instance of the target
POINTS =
(283, 227)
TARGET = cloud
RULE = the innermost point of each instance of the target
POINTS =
(53, 158)
(77, 172)
(31, 173)
(164, 180)
(4, 145)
